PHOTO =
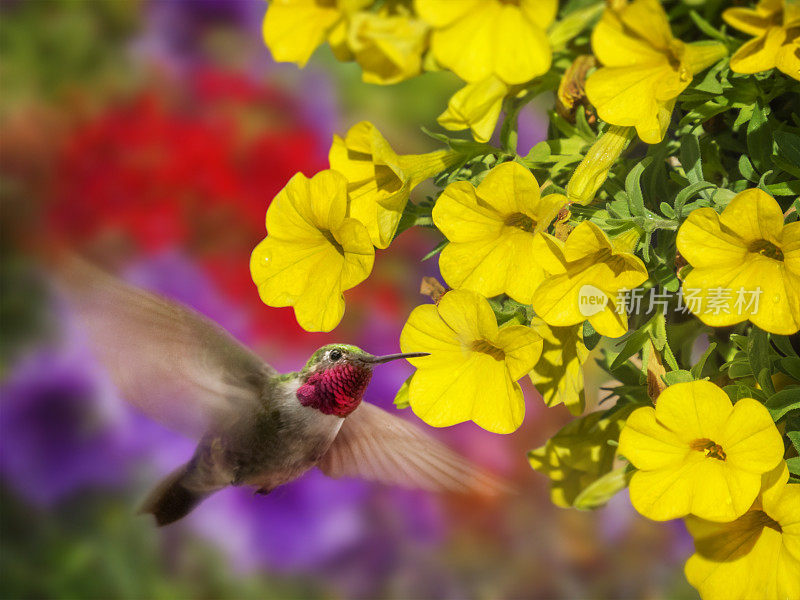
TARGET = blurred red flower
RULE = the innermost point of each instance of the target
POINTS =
(196, 173)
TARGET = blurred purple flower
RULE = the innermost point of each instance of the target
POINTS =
(531, 128)
(174, 29)
(59, 428)
(174, 275)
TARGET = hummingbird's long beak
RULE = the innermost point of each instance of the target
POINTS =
(376, 360)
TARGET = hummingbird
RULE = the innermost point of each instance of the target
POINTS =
(254, 426)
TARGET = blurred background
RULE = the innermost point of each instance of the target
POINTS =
(151, 136)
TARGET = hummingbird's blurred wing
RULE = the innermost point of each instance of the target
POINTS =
(373, 444)
(171, 362)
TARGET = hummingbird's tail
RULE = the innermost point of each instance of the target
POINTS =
(173, 499)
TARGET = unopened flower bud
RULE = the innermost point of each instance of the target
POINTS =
(593, 169)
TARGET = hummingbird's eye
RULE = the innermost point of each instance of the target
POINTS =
(335, 354)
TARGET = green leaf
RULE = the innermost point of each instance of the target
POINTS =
(633, 344)
(747, 170)
(697, 369)
(679, 376)
(784, 188)
(401, 397)
(794, 437)
(791, 366)
(783, 344)
(600, 491)
(687, 193)
(740, 368)
(785, 165)
(690, 158)
(788, 146)
(634, 191)
(794, 465)
(759, 138)
(539, 153)
(707, 27)
(439, 247)
(758, 353)
(590, 336)
(783, 402)
(737, 391)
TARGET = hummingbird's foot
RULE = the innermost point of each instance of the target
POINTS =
(262, 491)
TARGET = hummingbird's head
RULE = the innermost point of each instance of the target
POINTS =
(336, 376)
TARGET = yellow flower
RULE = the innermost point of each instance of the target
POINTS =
(746, 264)
(476, 106)
(776, 27)
(755, 556)
(387, 47)
(559, 373)
(293, 29)
(585, 275)
(479, 38)
(645, 68)
(473, 366)
(699, 454)
(492, 229)
(578, 455)
(379, 180)
(312, 252)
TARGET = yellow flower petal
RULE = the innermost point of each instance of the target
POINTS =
(629, 97)
(753, 556)
(492, 231)
(587, 263)
(470, 374)
(379, 181)
(615, 49)
(750, 21)
(425, 331)
(759, 54)
(558, 375)
(521, 48)
(698, 454)
(441, 13)
(647, 19)
(469, 314)
(702, 242)
(522, 347)
(746, 264)
(754, 215)
(476, 106)
(388, 48)
(490, 37)
(788, 59)
(477, 389)
(511, 188)
(694, 410)
(644, 68)
(752, 441)
(293, 29)
(648, 445)
(312, 253)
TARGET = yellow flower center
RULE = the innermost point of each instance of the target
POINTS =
(765, 520)
(765, 248)
(332, 241)
(709, 447)
(387, 179)
(486, 348)
(520, 221)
